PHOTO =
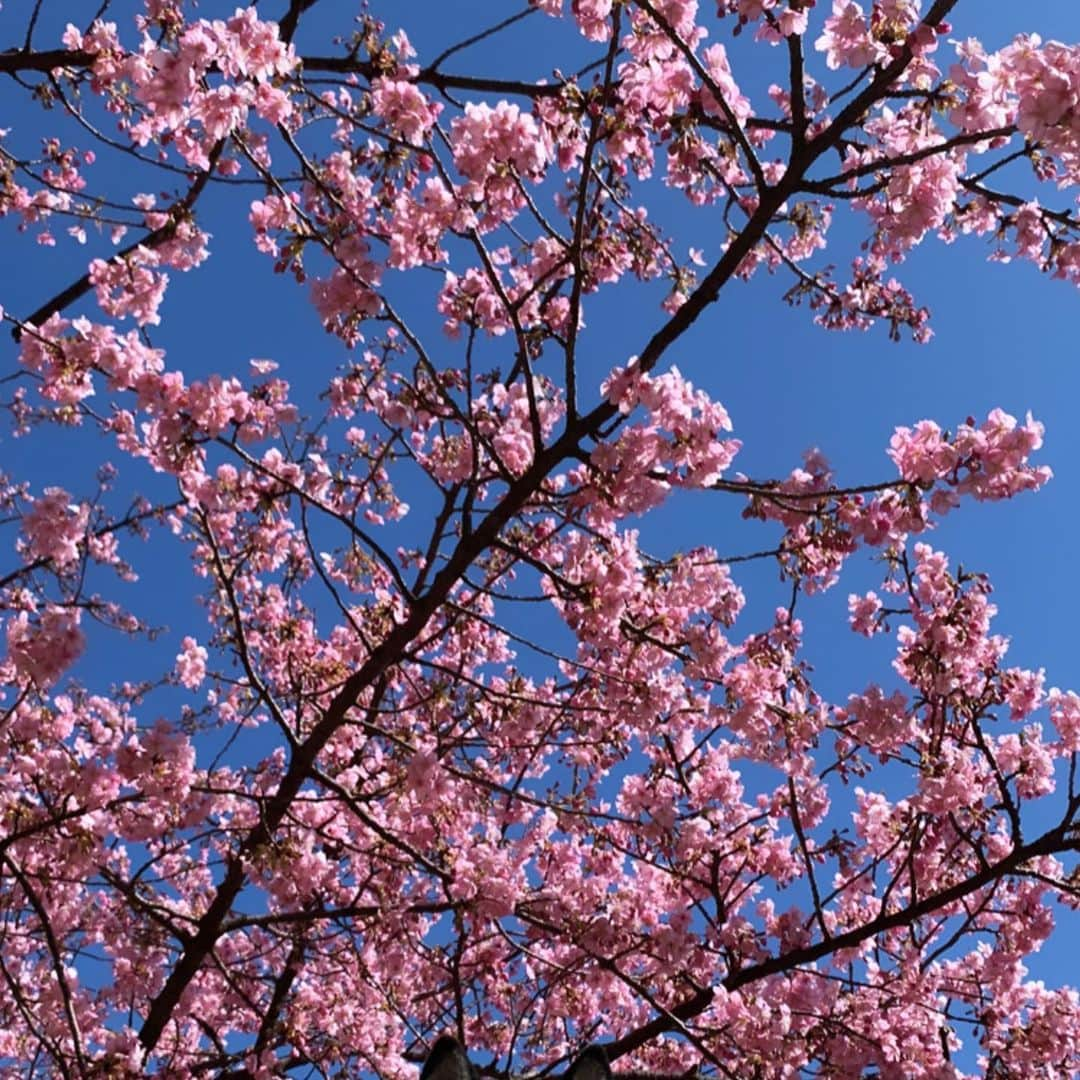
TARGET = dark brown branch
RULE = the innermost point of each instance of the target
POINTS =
(826, 186)
(1062, 217)
(351, 65)
(291, 19)
(81, 286)
(702, 72)
(16, 60)
(46, 60)
(483, 35)
(1050, 843)
(576, 253)
(796, 70)
(56, 955)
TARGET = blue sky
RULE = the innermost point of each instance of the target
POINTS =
(1004, 336)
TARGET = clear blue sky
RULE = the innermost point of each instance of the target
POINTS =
(1004, 336)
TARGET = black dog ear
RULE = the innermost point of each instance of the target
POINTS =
(447, 1061)
(590, 1064)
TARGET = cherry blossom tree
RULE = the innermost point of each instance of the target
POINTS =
(487, 766)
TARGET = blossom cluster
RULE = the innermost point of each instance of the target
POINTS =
(492, 761)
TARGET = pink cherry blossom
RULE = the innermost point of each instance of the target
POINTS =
(405, 109)
(191, 663)
(44, 646)
(423, 717)
(846, 40)
(864, 613)
(54, 529)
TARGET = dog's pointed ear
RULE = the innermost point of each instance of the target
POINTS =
(590, 1064)
(447, 1061)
